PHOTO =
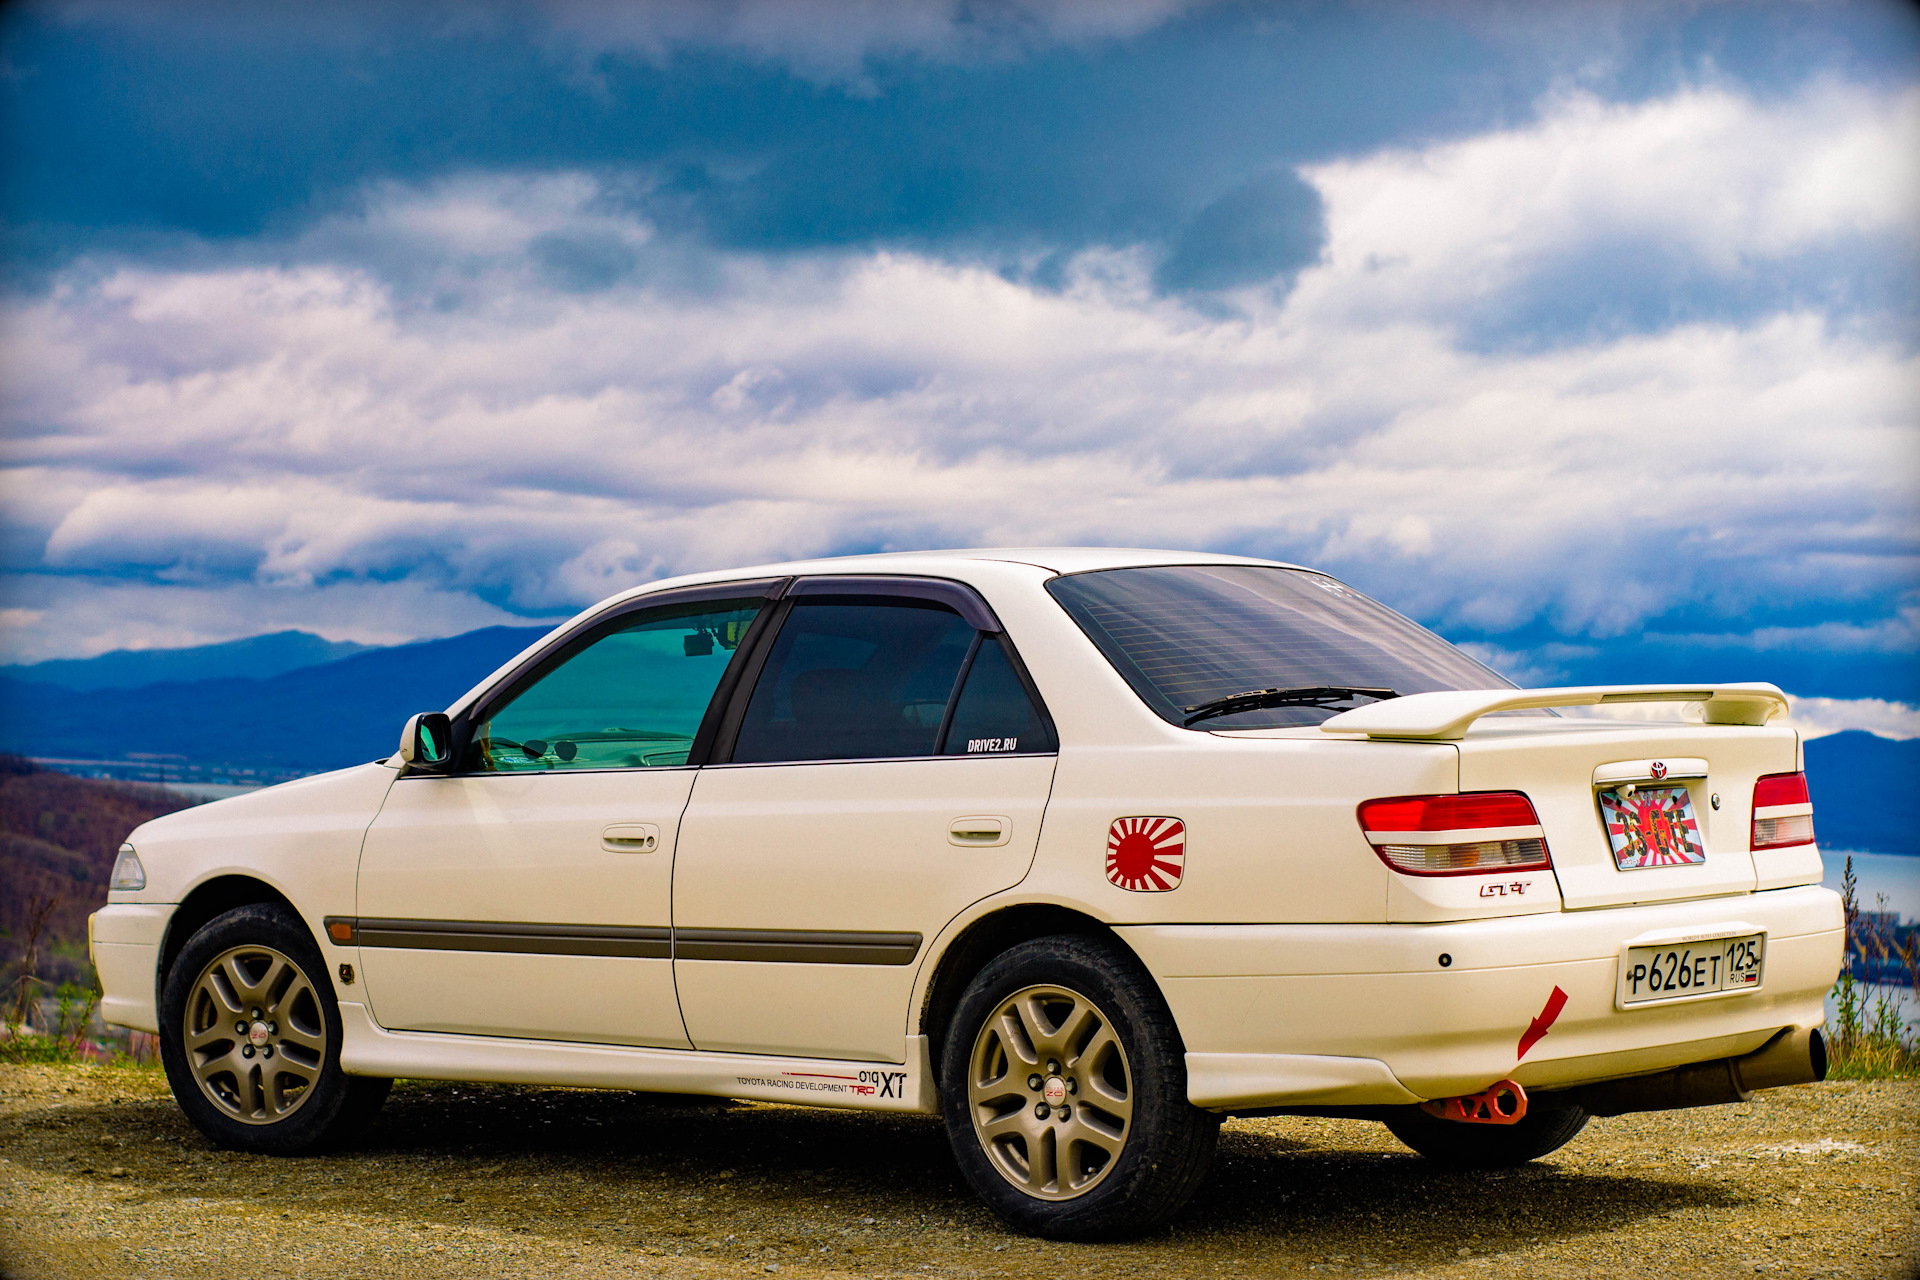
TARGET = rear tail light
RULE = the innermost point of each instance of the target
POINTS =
(1782, 811)
(1457, 835)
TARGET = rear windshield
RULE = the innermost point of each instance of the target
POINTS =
(1184, 635)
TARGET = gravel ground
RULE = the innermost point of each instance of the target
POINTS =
(101, 1175)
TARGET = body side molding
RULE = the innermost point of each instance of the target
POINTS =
(796, 946)
(646, 942)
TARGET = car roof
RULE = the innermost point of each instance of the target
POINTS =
(932, 564)
(954, 563)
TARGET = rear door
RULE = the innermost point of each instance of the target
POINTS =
(888, 766)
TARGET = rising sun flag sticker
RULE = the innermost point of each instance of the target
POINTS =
(1146, 855)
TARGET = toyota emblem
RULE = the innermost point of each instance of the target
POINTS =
(1659, 769)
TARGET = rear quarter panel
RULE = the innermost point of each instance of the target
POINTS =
(1271, 836)
(1272, 833)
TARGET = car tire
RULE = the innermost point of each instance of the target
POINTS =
(1106, 1145)
(1546, 1127)
(250, 1038)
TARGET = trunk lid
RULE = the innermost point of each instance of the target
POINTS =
(1564, 765)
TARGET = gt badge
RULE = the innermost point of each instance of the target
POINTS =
(1146, 855)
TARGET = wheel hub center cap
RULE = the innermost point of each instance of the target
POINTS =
(1055, 1090)
(257, 1034)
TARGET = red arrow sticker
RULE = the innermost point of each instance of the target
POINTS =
(1538, 1027)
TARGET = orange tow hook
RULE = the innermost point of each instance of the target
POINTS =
(1502, 1103)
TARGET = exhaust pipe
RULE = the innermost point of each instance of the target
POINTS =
(1796, 1055)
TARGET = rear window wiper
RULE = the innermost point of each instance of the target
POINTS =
(1316, 695)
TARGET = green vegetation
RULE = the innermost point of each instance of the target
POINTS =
(63, 1021)
(1868, 1038)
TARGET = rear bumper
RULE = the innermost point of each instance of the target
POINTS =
(1349, 1015)
(126, 940)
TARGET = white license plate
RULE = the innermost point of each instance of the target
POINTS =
(1679, 970)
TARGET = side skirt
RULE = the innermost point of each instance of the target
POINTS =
(368, 1049)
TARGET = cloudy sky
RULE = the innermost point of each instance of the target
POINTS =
(1585, 334)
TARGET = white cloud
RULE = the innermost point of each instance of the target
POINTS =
(1813, 717)
(79, 619)
(1896, 633)
(1818, 717)
(463, 427)
(1543, 668)
(1706, 174)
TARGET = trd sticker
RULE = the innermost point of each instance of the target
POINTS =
(800, 1081)
(868, 1084)
(1146, 855)
(891, 1084)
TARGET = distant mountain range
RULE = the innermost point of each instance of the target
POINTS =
(305, 720)
(256, 704)
(1863, 792)
(257, 657)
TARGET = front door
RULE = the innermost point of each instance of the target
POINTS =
(529, 892)
(889, 769)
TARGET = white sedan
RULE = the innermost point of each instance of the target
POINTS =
(1082, 850)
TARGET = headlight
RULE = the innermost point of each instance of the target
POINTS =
(127, 871)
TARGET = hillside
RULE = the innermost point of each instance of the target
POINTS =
(302, 721)
(58, 837)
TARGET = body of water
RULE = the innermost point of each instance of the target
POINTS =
(1875, 875)
(1901, 998)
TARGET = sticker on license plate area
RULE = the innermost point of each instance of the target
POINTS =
(1652, 827)
(1682, 970)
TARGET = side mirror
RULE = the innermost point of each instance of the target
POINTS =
(426, 741)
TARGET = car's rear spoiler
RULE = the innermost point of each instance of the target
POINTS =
(1445, 716)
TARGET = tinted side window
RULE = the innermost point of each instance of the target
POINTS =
(854, 681)
(994, 715)
(632, 699)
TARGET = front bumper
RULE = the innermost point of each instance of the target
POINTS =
(1349, 1015)
(125, 940)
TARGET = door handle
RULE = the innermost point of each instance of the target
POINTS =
(979, 832)
(630, 837)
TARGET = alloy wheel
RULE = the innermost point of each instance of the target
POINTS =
(1050, 1092)
(254, 1035)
